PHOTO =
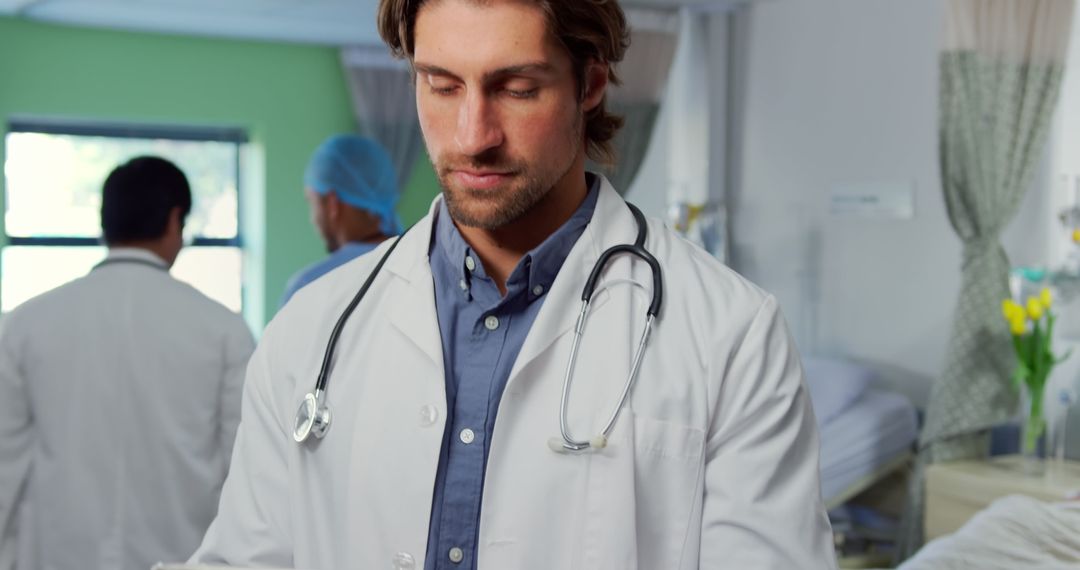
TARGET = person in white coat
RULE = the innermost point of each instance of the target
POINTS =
(119, 396)
(442, 445)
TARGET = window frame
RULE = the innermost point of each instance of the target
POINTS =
(233, 135)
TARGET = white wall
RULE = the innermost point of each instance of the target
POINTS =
(840, 92)
(836, 92)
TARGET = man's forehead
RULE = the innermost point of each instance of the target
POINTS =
(483, 36)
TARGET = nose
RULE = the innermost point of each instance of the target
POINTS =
(478, 128)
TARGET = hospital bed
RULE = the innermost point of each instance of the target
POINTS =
(867, 440)
(866, 443)
(866, 433)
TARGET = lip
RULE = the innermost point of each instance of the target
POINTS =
(480, 179)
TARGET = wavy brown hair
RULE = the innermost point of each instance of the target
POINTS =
(588, 29)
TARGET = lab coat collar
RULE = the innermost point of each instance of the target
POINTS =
(414, 304)
(414, 311)
(611, 224)
(138, 253)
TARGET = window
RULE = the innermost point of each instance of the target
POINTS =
(53, 177)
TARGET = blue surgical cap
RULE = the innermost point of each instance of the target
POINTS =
(359, 171)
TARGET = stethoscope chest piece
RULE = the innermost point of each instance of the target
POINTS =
(312, 418)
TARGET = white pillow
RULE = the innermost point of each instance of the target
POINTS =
(834, 384)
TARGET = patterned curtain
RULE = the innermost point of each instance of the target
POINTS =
(1000, 70)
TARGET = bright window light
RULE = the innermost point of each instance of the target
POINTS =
(53, 178)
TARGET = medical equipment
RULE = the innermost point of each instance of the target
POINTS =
(313, 416)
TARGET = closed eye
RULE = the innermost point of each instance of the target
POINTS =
(442, 90)
(522, 94)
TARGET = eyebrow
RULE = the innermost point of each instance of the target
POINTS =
(532, 67)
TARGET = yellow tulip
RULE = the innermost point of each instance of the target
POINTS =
(1017, 326)
(1012, 310)
(1046, 298)
(1034, 308)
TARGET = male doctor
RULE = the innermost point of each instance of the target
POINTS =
(446, 384)
(119, 396)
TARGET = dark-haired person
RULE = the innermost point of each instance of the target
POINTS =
(445, 435)
(119, 396)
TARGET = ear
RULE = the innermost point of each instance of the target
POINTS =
(331, 205)
(596, 82)
(176, 221)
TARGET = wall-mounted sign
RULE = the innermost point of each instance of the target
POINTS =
(891, 200)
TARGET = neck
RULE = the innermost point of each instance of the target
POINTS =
(343, 238)
(353, 225)
(502, 248)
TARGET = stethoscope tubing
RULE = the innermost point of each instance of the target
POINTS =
(321, 410)
(331, 345)
(638, 250)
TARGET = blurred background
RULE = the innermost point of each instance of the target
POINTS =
(799, 142)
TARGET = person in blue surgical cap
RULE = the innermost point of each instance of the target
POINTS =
(352, 190)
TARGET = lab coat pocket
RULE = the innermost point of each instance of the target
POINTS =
(643, 489)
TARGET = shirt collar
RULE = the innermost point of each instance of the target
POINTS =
(538, 267)
(135, 253)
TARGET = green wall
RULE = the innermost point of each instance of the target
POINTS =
(288, 97)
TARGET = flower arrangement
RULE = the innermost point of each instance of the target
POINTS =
(1032, 328)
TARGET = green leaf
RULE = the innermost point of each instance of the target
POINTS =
(1021, 374)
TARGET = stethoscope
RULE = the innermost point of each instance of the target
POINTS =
(313, 417)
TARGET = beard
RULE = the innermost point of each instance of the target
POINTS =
(497, 207)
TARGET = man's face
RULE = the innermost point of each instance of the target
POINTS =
(498, 105)
(319, 217)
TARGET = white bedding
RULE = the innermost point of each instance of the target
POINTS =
(872, 432)
(1013, 532)
(834, 385)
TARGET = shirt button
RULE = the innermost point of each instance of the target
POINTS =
(492, 322)
(464, 286)
(403, 561)
(467, 436)
(538, 290)
(470, 263)
(456, 555)
(428, 415)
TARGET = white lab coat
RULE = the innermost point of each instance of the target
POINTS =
(119, 401)
(713, 462)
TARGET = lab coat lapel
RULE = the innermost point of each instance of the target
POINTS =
(413, 298)
(611, 224)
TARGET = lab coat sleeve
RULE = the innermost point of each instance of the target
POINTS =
(251, 527)
(238, 348)
(763, 506)
(15, 447)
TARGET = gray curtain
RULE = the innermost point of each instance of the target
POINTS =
(644, 74)
(1000, 70)
(384, 101)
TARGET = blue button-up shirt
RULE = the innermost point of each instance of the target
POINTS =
(482, 333)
